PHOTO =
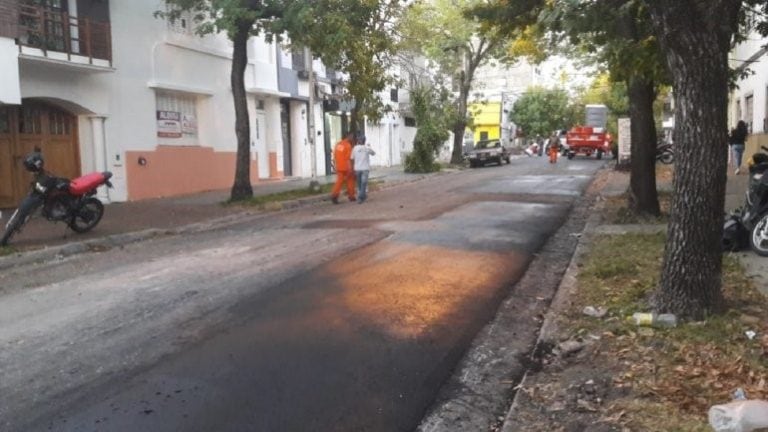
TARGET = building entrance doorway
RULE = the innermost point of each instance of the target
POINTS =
(35, 125)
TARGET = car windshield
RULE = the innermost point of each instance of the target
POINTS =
(487, 144)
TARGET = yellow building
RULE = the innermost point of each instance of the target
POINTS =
(486, 119)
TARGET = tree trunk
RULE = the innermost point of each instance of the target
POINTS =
(460, 126)
(695, 39)
(643, 198)
(241, 189)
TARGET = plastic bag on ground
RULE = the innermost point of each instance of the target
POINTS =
(739, 416)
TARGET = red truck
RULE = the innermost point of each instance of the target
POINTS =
(592, 138)
(587, 140)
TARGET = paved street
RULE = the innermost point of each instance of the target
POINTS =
(346, 317)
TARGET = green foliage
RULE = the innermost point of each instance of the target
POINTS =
(457, 44)
(603, 90)
(354, 37)
(229, 16)
(432, 120)
(541, 111)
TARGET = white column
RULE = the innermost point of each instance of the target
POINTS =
(99, 152)
(10, 84)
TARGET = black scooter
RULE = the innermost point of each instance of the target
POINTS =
(749, 223)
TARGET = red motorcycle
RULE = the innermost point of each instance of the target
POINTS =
(62, 200)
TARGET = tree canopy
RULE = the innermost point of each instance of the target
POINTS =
(541, 111)
(354, 37)
(457, 44)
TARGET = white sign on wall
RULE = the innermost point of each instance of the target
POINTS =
(169, 124)
(625, 140)
(189, 124)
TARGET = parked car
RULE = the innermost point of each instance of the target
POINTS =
(488, 151)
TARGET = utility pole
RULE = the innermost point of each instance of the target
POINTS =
(314, 185)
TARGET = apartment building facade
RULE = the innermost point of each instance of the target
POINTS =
(103, 85)
(749, 100)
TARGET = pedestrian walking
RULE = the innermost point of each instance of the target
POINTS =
(342, 157)
(540, 145)
(554, 148)
(361, 159)
(737, 140)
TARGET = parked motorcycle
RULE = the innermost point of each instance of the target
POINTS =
(749, 224)
(664, 153)
(62, 200)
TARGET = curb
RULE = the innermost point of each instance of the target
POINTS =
(564, 291)
(116, 240)
(482, 386)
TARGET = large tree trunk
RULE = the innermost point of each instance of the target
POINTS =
(460, 126)
(241, 189)
(643, 198)
(695, 38)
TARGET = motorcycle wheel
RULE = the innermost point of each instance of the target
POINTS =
(758, 237)
(88, 216)
(599, 154)
(19, 218)
(667, 157)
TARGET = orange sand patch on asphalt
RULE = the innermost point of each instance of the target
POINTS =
(407, 290)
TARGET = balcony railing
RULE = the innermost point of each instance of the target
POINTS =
(54, 31)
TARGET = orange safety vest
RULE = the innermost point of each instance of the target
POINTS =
(342, 154)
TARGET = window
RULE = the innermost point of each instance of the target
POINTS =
(393, 94)
(765, 113)
(176, 117)
(749, 111)
(184, 24)
(410, 121)
(31, 121)
(5, 122)
(58, 123)
(483, 135)
(299, 60)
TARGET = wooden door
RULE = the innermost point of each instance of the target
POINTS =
(31, 127)
(7, 180)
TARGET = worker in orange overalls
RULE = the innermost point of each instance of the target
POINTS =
(342, 155)
(554, 148)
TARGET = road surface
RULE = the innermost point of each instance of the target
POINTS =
(327, 318)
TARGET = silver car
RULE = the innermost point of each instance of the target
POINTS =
(488, 151)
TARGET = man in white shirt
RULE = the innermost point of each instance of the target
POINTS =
(361, 156)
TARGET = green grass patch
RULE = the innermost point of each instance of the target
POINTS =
(265, 202)
(617, 212)
(679, 372)
(6, 250)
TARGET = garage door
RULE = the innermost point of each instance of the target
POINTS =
(35, 125)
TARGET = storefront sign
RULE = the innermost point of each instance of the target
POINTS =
(625, 140)
(169, 124)
(189, 124)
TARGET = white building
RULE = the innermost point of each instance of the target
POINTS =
(106, 86)
(749, 101)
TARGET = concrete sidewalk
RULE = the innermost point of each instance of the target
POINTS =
(174, 212)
